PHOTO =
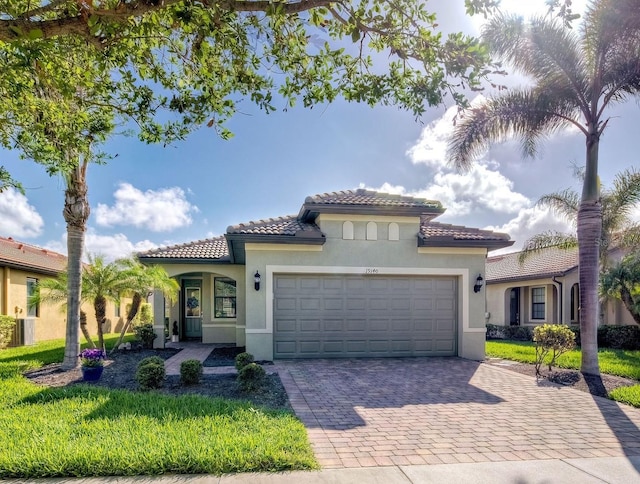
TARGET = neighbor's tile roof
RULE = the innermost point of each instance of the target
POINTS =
(440, 231)
(211, 249)
(365, 197)
(19, 254)
(288, 225)
(548, 263)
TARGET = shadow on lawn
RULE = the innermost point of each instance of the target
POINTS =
(118, 403)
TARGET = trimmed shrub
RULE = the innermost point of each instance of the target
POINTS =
(554, 340)
(151, 373)
(614, 337)
(515, 333)
(250, 377)
(190, 372)
(243, 359)
(144, 334)
(7, 324)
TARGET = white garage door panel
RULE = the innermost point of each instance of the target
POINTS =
(318, 316)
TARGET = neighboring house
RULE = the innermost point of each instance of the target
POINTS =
(353, 274)
(21, 267)
(544, 288)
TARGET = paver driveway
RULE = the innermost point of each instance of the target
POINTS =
(374, 412)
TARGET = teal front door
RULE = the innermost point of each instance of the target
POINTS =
(192, 297)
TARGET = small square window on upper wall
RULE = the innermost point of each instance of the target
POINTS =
(347, 230)
(394, 231)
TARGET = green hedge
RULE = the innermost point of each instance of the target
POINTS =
(514, 333)
(614, 337)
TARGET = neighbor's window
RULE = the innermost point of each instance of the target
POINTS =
(575, 303)
(116, 306)
(537, 303)
(32, 310)
(225, 297)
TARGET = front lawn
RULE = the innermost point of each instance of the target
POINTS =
(84, 430)
(624, 363)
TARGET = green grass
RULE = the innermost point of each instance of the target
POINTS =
(91, 431)
(623, 363)
(85, 431)
(628, 395)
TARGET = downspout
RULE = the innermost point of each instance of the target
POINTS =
(6, 279)
(559, 288)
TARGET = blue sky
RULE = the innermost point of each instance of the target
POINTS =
(152, 195)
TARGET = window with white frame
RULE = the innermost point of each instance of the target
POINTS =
(33, 310)
(538, 299)
(225, 297)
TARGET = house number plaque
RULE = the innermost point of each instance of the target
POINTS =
(371, 270)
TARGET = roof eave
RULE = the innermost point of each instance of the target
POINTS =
(31, 267)
(452, 242)
(177, 260)
(310, 211)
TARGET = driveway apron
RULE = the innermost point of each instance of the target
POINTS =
(379, 412)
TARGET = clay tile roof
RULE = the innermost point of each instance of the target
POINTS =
(548, 263)
(362, 196)
(19, 254)
(432, 231)
(289, 225)
(212, 249)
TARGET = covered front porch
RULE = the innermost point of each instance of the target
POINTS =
(209, 308)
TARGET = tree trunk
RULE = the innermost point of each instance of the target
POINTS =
(83, 328)
(589, 238)
(100, 307)
(133, 311)
(76, 212)
(629, 303)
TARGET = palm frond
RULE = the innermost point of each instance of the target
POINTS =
(525, 114)
(564, 203)
(547, 240)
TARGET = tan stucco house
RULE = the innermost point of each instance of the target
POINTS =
(543, 288)
(21, 267)
(353, 274)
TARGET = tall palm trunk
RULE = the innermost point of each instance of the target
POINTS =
(83, 328)
(76, 212)
(100, 307)
(589, 237)
(136, 301)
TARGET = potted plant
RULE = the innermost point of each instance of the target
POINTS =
(92, 364)
(176, 335)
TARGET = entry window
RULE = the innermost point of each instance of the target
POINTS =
(225, 297)
(538, 302)
(33, 310)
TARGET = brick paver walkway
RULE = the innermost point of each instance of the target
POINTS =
(378, 412)
(194, 351)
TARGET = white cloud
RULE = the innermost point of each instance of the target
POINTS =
(17, 217)
(112, 247)
(156, 210)
(529, 222)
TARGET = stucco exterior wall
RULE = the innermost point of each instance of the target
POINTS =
(367, 257)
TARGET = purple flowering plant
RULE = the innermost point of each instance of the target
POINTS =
(92, 357)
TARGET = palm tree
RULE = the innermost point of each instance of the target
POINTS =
(617, 225)
(576, 75)
(622, 281)
(54, 291)
(140, 280)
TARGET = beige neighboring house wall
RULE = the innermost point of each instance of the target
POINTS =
(512, 286)
(21, 262)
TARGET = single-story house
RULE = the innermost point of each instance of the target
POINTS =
(543, 288)
(353, 274)
(21, 267)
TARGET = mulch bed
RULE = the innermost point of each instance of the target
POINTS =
(596, 385)
(120, 369)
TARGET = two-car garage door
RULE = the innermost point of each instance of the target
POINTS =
(343, 316)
